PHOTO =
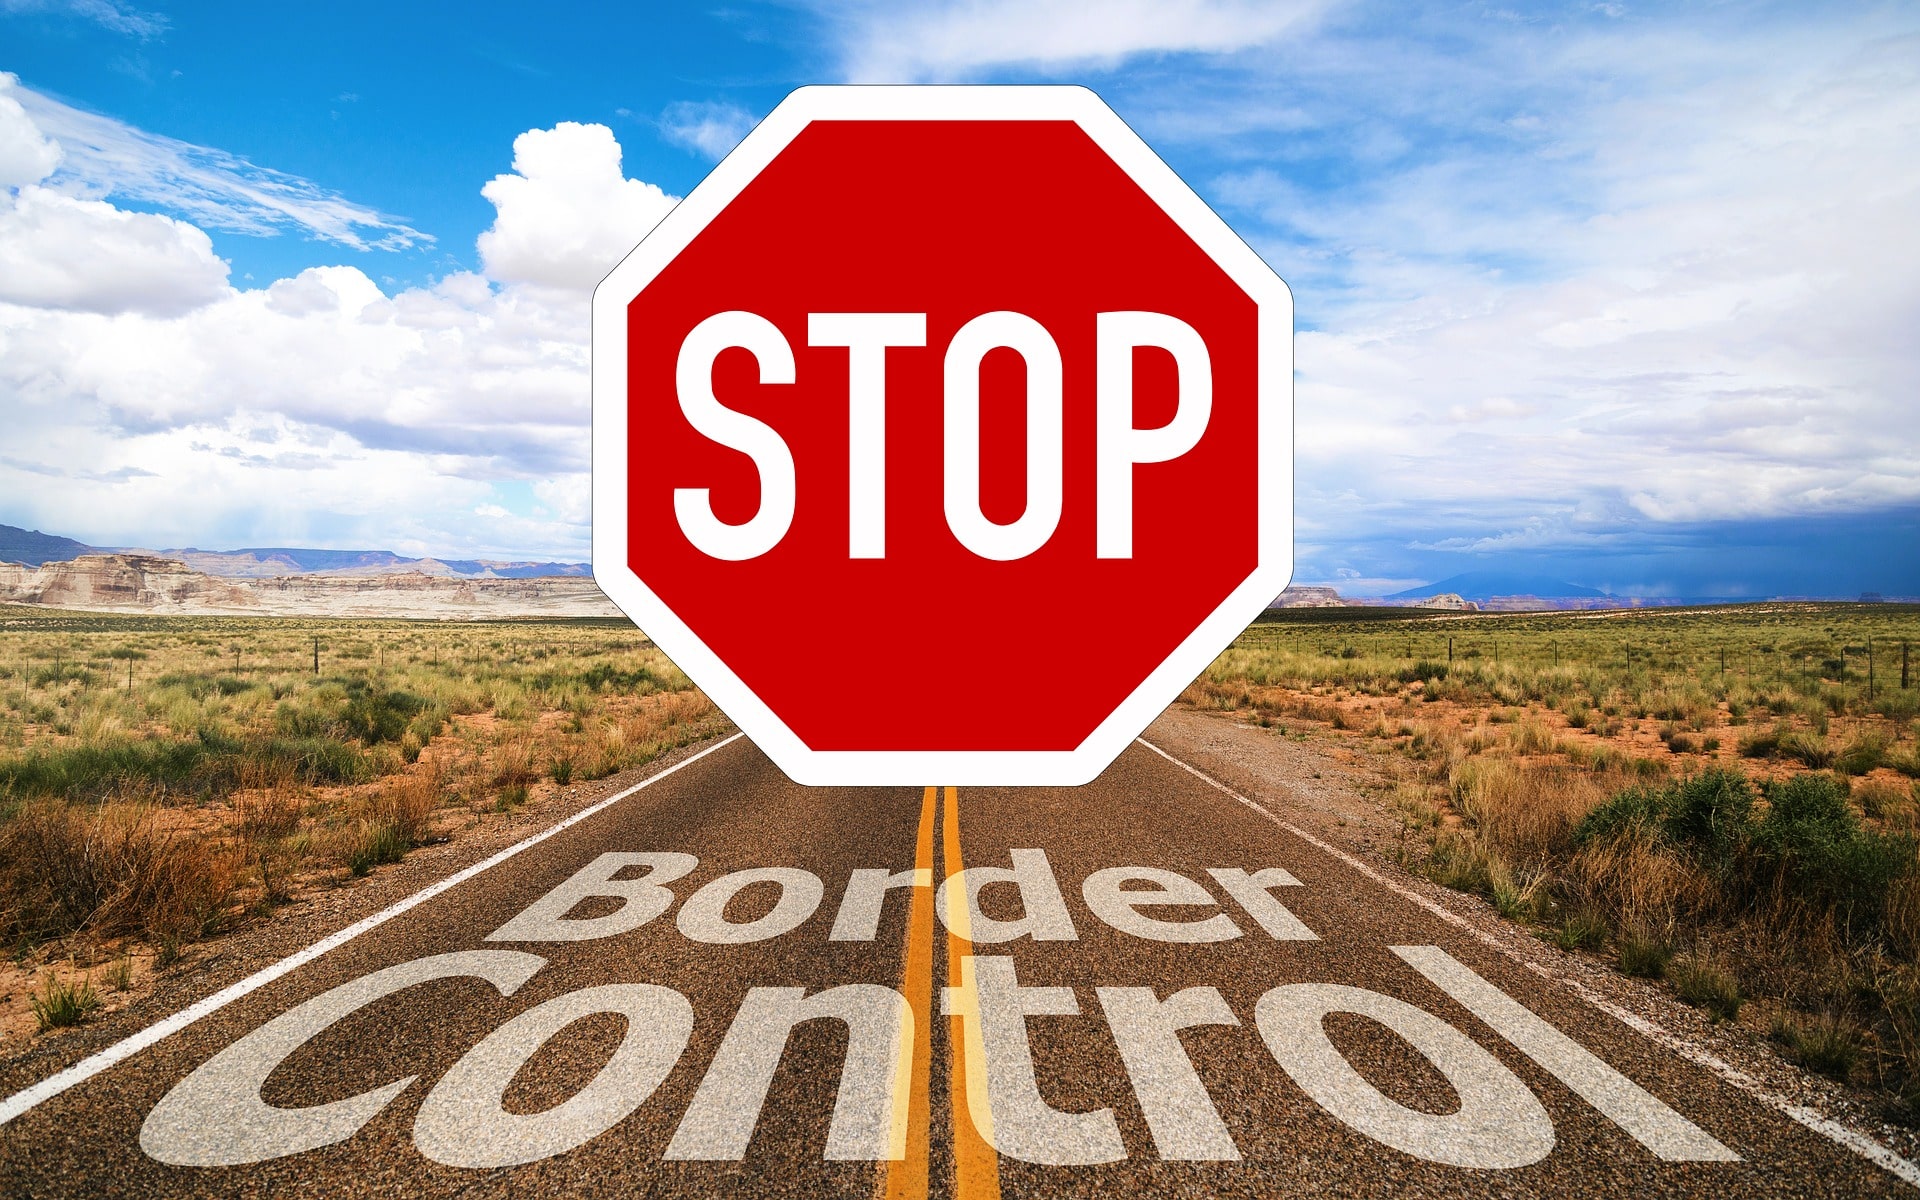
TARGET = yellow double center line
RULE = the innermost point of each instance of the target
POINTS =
(976, 1168)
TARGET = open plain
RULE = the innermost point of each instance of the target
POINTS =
(544, 924)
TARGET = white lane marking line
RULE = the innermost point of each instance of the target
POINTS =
(93, 1064)
(1813, 1119)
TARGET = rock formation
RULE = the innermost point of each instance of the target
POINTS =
(149, 584)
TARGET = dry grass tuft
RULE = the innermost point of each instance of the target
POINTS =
(109, 871)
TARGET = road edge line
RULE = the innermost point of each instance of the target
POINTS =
(29, 1098)
(1859, 1143)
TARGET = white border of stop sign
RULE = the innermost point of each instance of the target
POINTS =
(617, 578)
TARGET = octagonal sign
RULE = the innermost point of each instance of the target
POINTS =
(942, 435)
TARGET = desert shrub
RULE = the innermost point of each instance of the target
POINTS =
(427, 722)
(1433, 741)
(605, 677)
(1822, 854)
(1460, 862)
(315, 760)
(1907, 762)
(1525, 813)
(375, 715)
(406, 803)
(110, 871)
(1531, 737)
(1707, 817)
(1422, 672)
(200, 686)
(512, 764)
(1710, 814)
(1520, 895)
(119, 973)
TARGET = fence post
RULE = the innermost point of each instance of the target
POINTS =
(1449, 650)
(1869, 670)
(316, 654)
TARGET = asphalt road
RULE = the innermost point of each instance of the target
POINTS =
(726, 984)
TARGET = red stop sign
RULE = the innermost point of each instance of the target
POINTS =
(942, 435)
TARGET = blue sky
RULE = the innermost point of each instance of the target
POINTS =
(1627, 293)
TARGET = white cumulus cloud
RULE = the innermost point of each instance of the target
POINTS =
(60, 252)
(150, 401)
(26, 154)
(567, 213)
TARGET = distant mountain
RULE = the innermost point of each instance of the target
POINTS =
(260, 562)
(1485, 585)
(32, 547)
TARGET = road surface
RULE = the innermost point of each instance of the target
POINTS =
(723, 984)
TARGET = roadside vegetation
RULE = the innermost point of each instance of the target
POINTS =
(163, 779)
(1727, 800)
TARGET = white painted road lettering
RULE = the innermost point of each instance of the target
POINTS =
(859, 917)
(1030, 883)
(1623, 1101)
(1023, 1124)
(1120, 907)
(464, 1123)
(719, 1123)
(703, 918)
(1499, 1123)
(1180, 1115)
(1250, 892)
(1043, 910)
(641, 899)
(216, 1116)
(247, 1128)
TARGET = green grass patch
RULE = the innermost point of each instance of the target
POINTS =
(62, 1002)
